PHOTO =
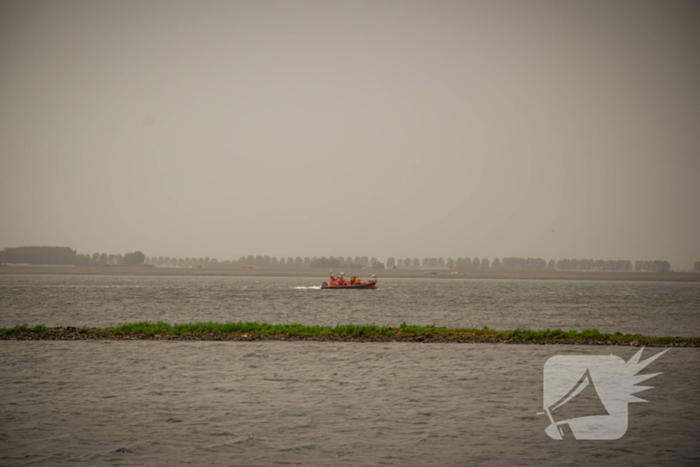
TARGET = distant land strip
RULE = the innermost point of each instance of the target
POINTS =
(321, 274)
(342, 333)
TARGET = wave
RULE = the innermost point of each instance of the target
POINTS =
(314, 287)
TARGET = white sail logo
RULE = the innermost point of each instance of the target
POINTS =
(589, 394)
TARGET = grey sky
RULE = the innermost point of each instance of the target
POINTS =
(562, 129)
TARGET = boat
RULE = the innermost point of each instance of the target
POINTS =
(344, 285)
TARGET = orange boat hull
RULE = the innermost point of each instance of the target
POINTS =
(367, 285)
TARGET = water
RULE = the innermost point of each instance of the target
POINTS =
(310, 403)
(651, 308)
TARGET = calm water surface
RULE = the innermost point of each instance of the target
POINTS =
(275, 403)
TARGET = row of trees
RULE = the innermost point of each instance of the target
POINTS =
(469, 263)
(612, 266)
(136, 258)
(269, 262)
(340, 262)
(68, 256)
(102, 259)
(53, 255)
(346, 263)
(536, 264)
(652, 266)
(620, 265)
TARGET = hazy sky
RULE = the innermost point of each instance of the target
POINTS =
(557, 129)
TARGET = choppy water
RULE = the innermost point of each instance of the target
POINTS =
(309, 403)
(271, 403)
(652, 308)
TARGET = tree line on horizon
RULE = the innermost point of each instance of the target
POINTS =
(270, 262)
(68, 256)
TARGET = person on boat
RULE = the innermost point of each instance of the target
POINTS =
(334, 280)
(353, 280)
(341, 281)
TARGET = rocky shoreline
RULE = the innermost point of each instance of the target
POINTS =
(75, 334)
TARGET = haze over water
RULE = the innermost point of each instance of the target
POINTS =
(486, 129)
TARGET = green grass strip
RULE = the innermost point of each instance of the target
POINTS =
(369, 331)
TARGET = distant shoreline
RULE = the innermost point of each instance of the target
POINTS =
(365, 273)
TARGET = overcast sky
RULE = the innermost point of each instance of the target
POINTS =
(557, 129)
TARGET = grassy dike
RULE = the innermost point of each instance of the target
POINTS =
(342, 333)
